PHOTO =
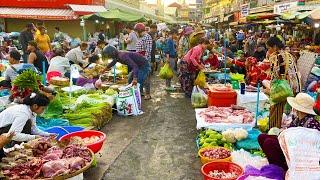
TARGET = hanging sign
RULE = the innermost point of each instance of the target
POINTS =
(281, 8)
(244, 10)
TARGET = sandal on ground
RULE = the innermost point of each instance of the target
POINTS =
(147, 97)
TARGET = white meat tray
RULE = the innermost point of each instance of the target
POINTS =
(201, 123)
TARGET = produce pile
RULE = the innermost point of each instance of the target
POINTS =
(216, 153)
(93, 72)
(26, 83)
(45, 158)
(222, 175)
(85, 141)
(210, 138)
(214, 114)
(91, 109)
(86, 114)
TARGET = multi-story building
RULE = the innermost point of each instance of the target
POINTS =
(195, 12)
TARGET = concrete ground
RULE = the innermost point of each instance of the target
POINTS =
(160, 144)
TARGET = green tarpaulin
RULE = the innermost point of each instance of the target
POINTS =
(114, 14)
(295, 15)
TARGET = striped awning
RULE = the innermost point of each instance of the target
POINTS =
(37, 13)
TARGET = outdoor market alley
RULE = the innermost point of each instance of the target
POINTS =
(160, 144)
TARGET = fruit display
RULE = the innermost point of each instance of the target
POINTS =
(216, 153)
(210, 138)
(222, 175)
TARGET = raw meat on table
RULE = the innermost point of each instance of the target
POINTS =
(77, 151)
(55, 168)
(226, 115)
(53, 153)
(28, 170)
(76, 163)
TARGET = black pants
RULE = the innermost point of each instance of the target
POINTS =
(26, 130)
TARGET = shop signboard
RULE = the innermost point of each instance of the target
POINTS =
(244, 10)
(284, 7)
(48, 3)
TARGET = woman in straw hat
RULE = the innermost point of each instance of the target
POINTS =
(303, 116)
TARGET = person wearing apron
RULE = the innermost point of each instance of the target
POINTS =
(20, 119)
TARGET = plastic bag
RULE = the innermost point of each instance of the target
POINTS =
(280, 90)
(166, 72)
(200, 80)
(236, 77)
(269, 171)
(199, 98)
(128, 103)
(301, 147)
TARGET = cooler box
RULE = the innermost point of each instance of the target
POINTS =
(222, 98)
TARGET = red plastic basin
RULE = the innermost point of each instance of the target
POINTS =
(220, 166)
(95, 147)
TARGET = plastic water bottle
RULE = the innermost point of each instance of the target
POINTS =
(242, 88)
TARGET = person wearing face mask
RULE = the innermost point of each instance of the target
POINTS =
(303, 116)
(282, 66)
(190, 66)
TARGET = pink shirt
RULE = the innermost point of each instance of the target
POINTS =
(194, 55)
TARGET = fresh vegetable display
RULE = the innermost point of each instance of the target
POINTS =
(54, 109)
(27, 79)
(210, 138)
(234, 135)
(216, 153)
(86, 114)
(111, 92)
(25, 83)
(85, 108)
(222, 175)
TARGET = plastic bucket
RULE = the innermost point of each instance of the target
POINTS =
(221, 166)
(205, 160)
(95, 147)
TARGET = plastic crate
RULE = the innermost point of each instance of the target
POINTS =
(222, 98)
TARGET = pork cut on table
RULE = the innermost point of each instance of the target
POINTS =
(55, 168)
(76, 163)
(28, 170)
(214, 114)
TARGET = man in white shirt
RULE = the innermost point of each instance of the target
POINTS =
(132, 39)
(59, 63)
(77, 55)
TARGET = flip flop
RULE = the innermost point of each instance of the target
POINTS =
(147, 97)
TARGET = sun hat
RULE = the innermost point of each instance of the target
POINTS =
(302, 102)
(188, 30)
